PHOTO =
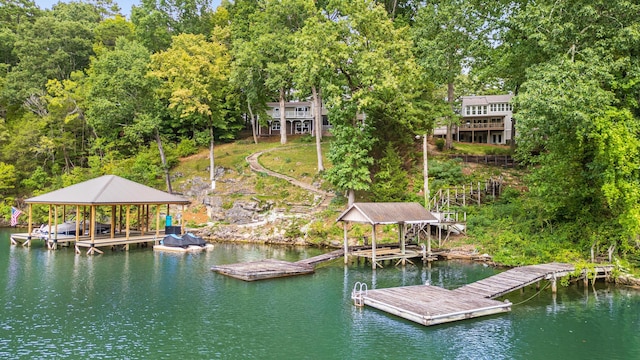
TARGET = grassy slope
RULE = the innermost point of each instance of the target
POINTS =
(297, 159)
(493, 229)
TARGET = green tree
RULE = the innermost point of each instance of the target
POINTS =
(194, 73)
(156, 21)
(109, 30)
(52, 47)
(371, 91)
(585, 150)
(390, 181)
(273, 30)
(310, 68)
(122, 106)
(7, 178)
(447, 34)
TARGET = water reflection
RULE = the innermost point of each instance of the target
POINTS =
(143, 304)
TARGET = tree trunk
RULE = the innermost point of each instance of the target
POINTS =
(283, 119)
(318, 126)
(253, 123)
(512, 145)
(163, 159)
(449, 141)
(351, 197)
(211, 162)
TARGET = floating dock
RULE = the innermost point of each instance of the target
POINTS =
(271, 268)
(263, 269)
(432, 305)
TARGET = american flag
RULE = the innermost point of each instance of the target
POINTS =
(14, 216)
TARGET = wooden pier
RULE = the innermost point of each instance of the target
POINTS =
(271, 268)
(85, 241)
(432, 305)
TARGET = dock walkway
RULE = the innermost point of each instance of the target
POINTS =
(432, 305)
(84, 241)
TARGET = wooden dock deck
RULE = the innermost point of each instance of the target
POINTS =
(431, 305)
(271, 268)
(84, 241)
(263, 269)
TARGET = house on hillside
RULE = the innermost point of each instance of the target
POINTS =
(484, 119)
(300, 117)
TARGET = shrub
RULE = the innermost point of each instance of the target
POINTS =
(440, 144)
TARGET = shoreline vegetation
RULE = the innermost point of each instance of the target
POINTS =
(239, 210)
(266, 219)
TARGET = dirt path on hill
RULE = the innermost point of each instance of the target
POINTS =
(255, 166)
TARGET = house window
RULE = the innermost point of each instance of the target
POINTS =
(484, 109)
(493, 107)
(467, 110)
(276, 112)
(275, 125)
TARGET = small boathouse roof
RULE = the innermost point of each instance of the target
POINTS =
(107, 190)
(387, 213)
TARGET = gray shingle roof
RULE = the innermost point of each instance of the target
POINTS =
(387, 213)
(107, 190)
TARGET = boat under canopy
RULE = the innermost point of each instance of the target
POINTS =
(69, 228)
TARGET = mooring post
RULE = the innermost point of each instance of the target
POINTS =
(554, 285)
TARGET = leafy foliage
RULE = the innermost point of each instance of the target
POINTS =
(390, 181)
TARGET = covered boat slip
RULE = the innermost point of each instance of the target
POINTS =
(128, 203)
(375, 214)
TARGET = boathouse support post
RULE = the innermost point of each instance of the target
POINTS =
(92, 226)
(55, 235)
(50, 221)
(30, 225)
(401, 232)
(429, 239)
(157, 224)
(78, 223)
(113, 221)
(373, 247)
(346, 242)
(128, 222)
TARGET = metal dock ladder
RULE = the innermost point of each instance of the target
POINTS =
(358, 293)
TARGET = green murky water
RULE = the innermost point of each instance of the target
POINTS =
(141, 304)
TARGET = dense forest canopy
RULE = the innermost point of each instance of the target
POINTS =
(85, 91)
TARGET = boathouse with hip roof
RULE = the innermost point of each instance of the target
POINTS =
(121, 195)
(385, 213)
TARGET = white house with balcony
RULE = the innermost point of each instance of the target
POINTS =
(300, 117)
(485, 119)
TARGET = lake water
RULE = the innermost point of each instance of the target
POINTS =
(141, 304)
